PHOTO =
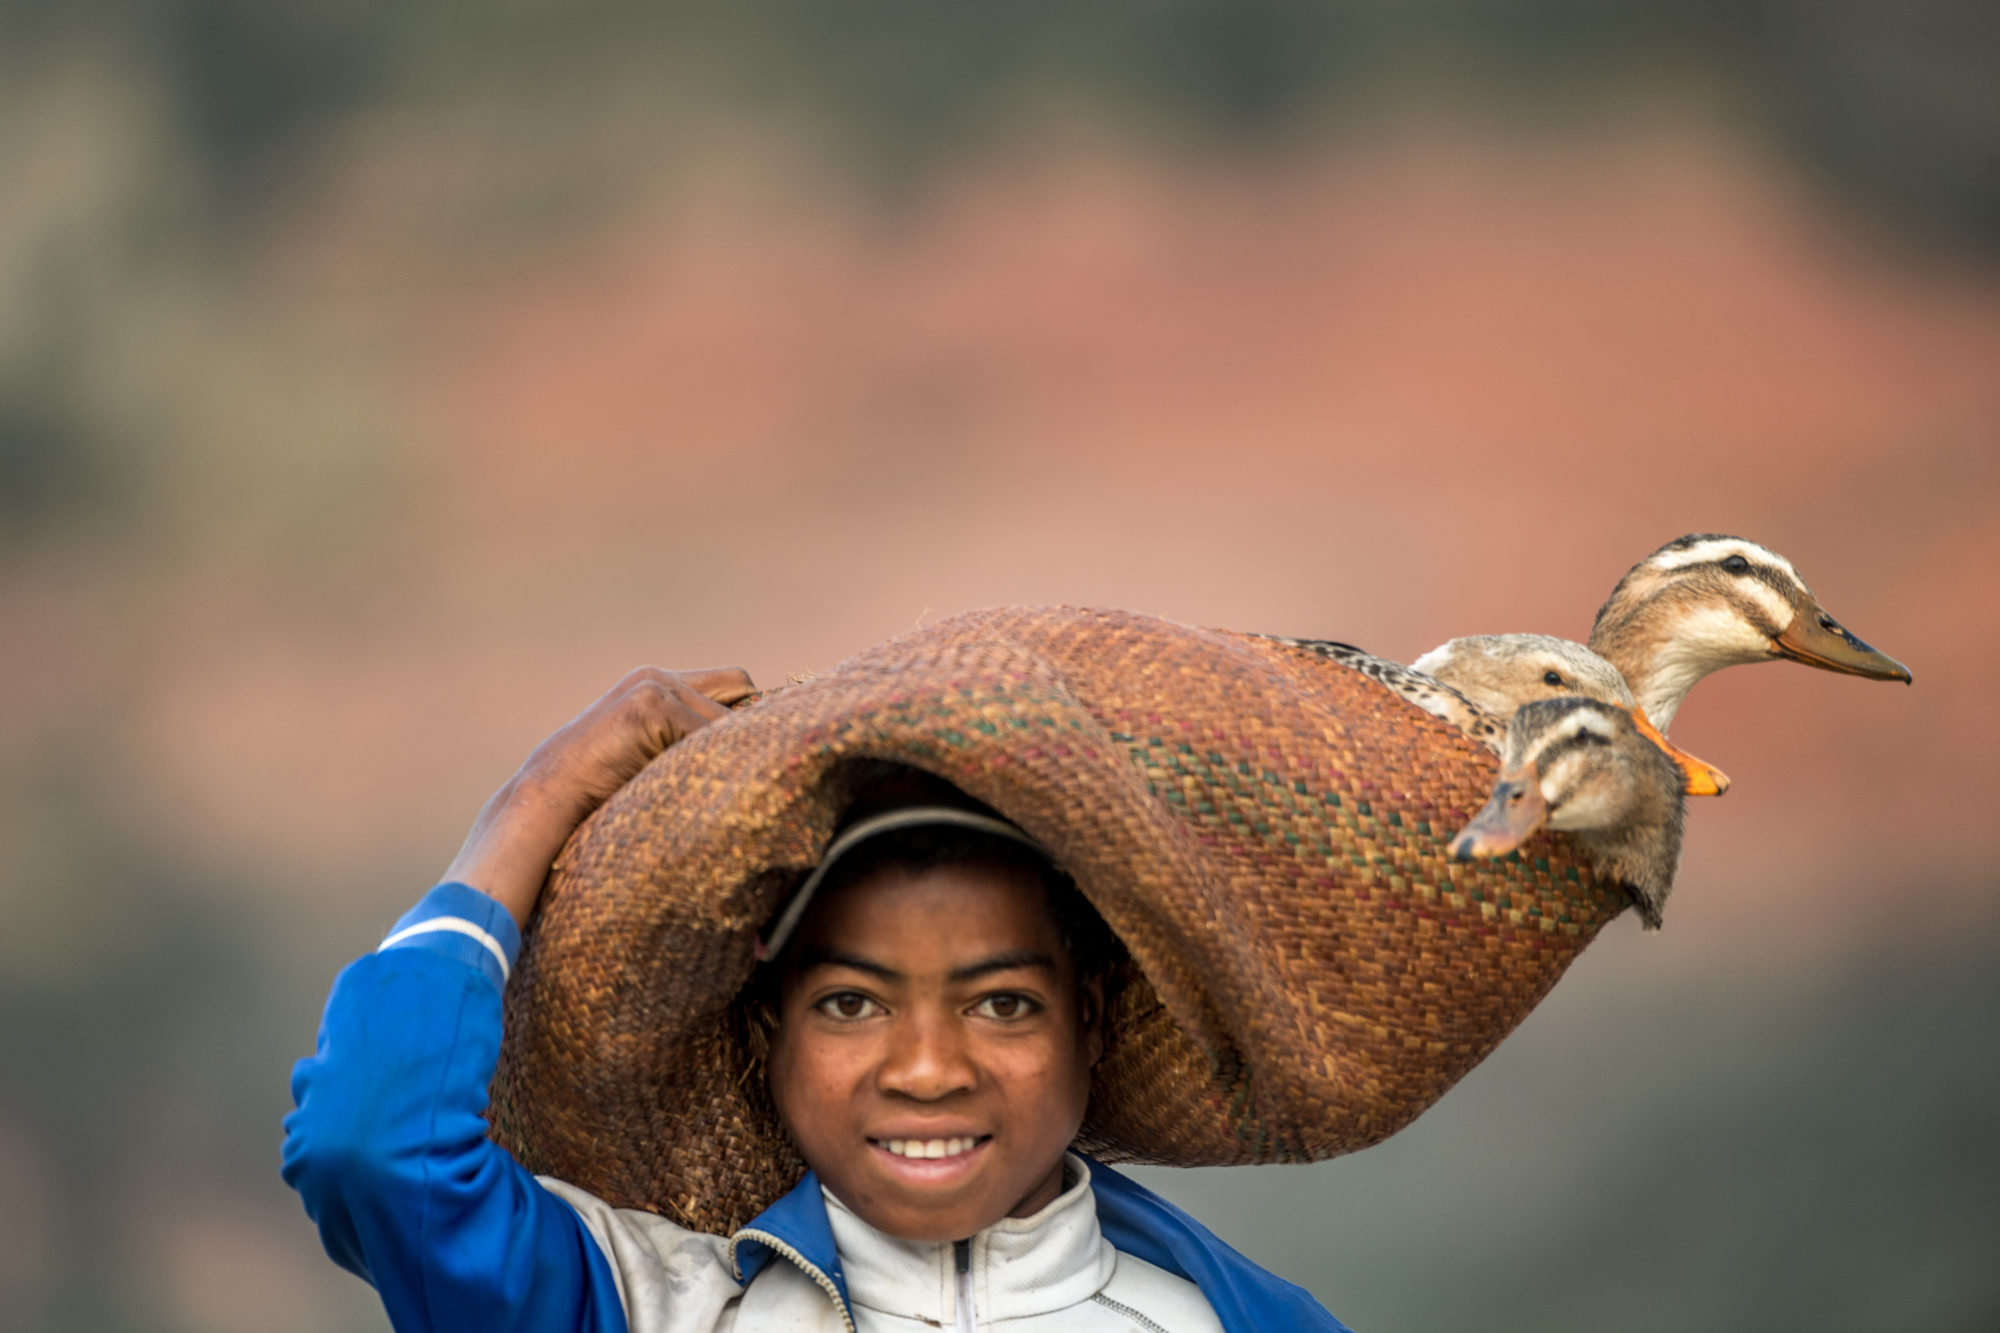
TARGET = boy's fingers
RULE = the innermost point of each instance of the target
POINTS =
(725, 685)
(704, 708)
(675, 704)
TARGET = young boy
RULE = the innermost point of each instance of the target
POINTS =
(934, 1001)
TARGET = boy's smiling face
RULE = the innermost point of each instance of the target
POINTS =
(933, 1051)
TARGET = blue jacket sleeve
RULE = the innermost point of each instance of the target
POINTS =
(388, 1146)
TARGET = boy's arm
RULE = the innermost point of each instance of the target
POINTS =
(388, 1146)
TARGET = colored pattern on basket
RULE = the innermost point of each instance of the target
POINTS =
(1266, 829)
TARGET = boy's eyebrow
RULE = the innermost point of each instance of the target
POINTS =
(835, 958)
(1004, 962)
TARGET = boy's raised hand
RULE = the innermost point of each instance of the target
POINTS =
(524, 824)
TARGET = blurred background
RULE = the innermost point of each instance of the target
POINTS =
(379, 382)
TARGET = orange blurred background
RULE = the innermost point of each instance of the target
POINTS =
(377, 385)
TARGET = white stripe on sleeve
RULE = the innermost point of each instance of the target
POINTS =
(452, 923)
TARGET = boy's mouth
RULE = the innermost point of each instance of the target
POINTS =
(932, 1163)
(931, 1149)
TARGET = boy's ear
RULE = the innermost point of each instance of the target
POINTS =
(1090, 1014)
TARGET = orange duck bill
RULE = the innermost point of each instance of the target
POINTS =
(1699, 778)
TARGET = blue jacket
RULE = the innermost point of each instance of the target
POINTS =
(388, 1149)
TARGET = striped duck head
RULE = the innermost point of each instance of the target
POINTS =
(1707, 601)
(1586, 767)
(1501, 673)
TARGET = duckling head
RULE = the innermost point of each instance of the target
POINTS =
(1500, 673)
(1586, 767)
(1707, 601)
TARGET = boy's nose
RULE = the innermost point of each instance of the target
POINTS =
(927, 1059)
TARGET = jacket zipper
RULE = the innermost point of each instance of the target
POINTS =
(961, 1261)
(810, 1269)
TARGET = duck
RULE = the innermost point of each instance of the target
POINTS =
(1478, 682)
(1700, 603)
(1586, 767)
(1707, 601)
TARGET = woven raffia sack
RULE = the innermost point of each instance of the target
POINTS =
(1266, 831)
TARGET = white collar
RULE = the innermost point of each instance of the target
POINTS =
(1021, 1266)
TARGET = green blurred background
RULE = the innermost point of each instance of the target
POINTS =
(378, 382)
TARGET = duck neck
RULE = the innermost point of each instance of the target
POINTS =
(1642, 855)
(1662, 662)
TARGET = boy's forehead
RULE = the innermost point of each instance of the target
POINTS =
(950, 908)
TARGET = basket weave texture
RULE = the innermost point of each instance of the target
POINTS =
(1266, 831)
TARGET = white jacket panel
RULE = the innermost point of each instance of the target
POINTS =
(1052, 1272)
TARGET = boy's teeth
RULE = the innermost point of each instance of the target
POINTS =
(928, 1147)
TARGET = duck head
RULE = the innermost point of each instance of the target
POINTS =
(1585, 767)
(1501, 673)
(1708, 601)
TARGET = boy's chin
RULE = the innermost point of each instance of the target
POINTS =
(937, 1202)
(928, 1216)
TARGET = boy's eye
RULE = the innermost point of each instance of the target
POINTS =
(1004, 1006)
(848, 1004)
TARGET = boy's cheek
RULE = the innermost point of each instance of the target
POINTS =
(801, 1087)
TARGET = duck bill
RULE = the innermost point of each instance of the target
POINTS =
(1698, 776)
(1818, 640)
(1510, 817)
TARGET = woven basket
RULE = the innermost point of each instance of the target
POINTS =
(1265, 830)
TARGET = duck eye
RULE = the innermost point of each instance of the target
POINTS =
(1552, 678)
(1736, 564)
